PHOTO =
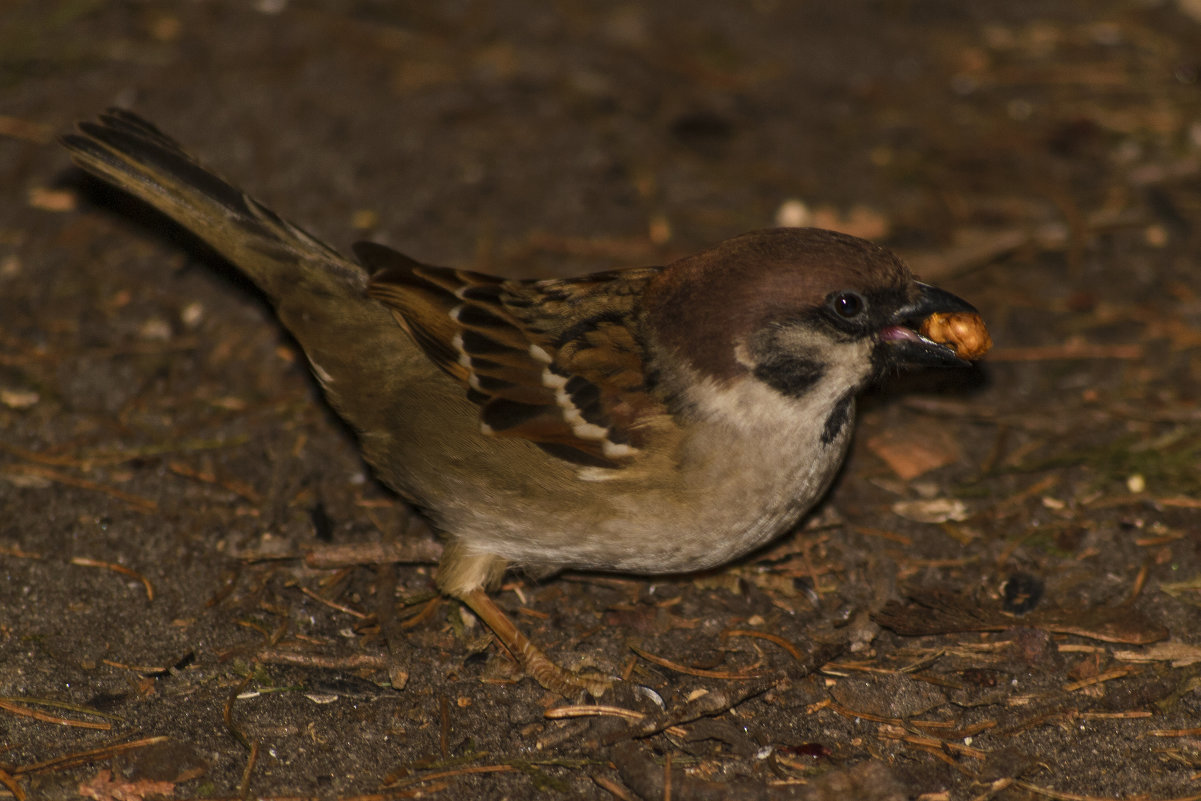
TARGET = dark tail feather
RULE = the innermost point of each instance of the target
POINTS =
(132, 154)
(355, 347)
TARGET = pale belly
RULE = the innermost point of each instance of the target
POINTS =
(745, 498)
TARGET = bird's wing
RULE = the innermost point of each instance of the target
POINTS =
(556, 362)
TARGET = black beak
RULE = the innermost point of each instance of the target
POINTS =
(907, 346)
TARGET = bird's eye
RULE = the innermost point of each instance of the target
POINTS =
(848, 305)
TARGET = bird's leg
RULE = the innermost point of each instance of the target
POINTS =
(531, 658)
(464, 576)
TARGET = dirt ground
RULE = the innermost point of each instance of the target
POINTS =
(998, 600)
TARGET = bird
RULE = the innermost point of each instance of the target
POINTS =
(642, 420)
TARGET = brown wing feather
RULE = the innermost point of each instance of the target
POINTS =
(554, 362)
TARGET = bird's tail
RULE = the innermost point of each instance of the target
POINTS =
(130, 153)
(353, 344)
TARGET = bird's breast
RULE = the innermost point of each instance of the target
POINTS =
(728, 487)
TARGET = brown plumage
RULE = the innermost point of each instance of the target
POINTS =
(646, 420)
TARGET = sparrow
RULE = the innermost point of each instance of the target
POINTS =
(645, 420)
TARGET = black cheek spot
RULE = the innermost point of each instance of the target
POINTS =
(838, 419)
(790, 375)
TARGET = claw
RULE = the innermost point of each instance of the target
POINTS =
(531, 658)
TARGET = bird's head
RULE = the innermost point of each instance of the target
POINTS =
(812, 315)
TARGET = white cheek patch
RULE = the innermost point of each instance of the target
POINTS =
(748, 403)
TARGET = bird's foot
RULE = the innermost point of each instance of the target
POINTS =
(536, 664)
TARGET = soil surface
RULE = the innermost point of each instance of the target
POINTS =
(999, 599)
